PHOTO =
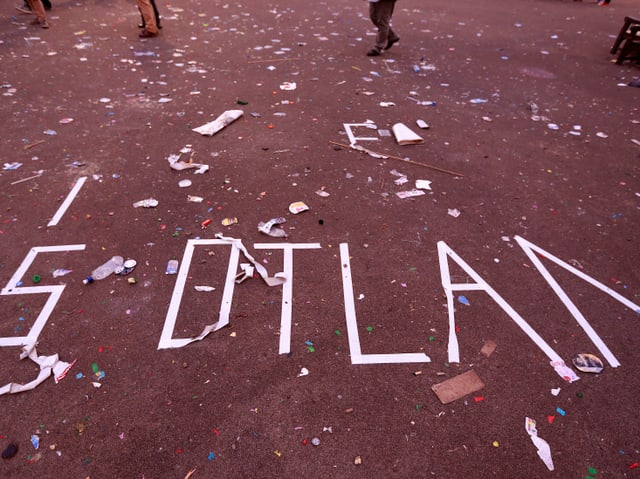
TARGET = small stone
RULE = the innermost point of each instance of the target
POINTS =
(10, 451)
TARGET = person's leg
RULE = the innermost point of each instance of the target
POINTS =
(38, 9)
(156, 13)
(151, 29)
(380, 14)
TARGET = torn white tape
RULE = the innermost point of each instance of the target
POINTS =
(47, 364)
(544, 450)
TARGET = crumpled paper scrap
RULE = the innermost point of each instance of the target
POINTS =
(544, 450)
(211, 128)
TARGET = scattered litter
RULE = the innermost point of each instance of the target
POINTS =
(298, 207)
(405, 136)
(564, 371)
(544, 451)
(457, 387)
(61, 272)
(184, 183)
(50, 132)
(148, 203)
(410, 193)
(176, 164)
(601, 134)
(422, 124)
(555, 391)
(476, 101)
(12, 166)
(127, 267)
(463, 299)
(229, 221)
(488, 348)
(211, 128)
(387, 104)
(303, 372)
(561, 411)
(322, 193)
(423, 184)
(288, 86)
(315, 441)
(195, 199)
(357, 461)
(104, 270)
(587, 363)
(453, 212)
(172, 267)
(270, 228)
(553, 126)
(204, 289)
(35, 441)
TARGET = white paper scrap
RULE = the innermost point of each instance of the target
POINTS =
(211, 128)
(544, 450)
(409, 193)
(423, 184)
(204, 289)
(564, 371)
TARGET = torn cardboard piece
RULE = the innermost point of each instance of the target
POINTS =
(211, 128)
(47, 364)
(544, 450)
(405, 136)
(488, 348)
(457, 387)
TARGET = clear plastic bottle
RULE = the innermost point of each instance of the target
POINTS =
(101, 272)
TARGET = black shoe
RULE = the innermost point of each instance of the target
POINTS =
(391, 43)
(373, 53)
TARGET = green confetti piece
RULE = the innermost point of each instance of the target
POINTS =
(592, 471)
(338, 333)
(369, 328)
(311, 349)
(95, 367)
(432, 338)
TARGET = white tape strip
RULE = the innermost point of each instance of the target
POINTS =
(352, 325)
(529, 249)
(67, 202)
(444, 252)
(55, 291)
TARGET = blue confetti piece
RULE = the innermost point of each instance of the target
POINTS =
(79, 376)
(561, 411)
(35, 440)
(308, 343)
(464, 300)
(211, 456)
(20, 318)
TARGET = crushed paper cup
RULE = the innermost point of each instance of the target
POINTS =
(211, 128)
(297, 207)
(269, 228)
(405, 136)
(587, 363)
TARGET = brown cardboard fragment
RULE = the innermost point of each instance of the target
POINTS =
(488, 348)
(457, 387)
